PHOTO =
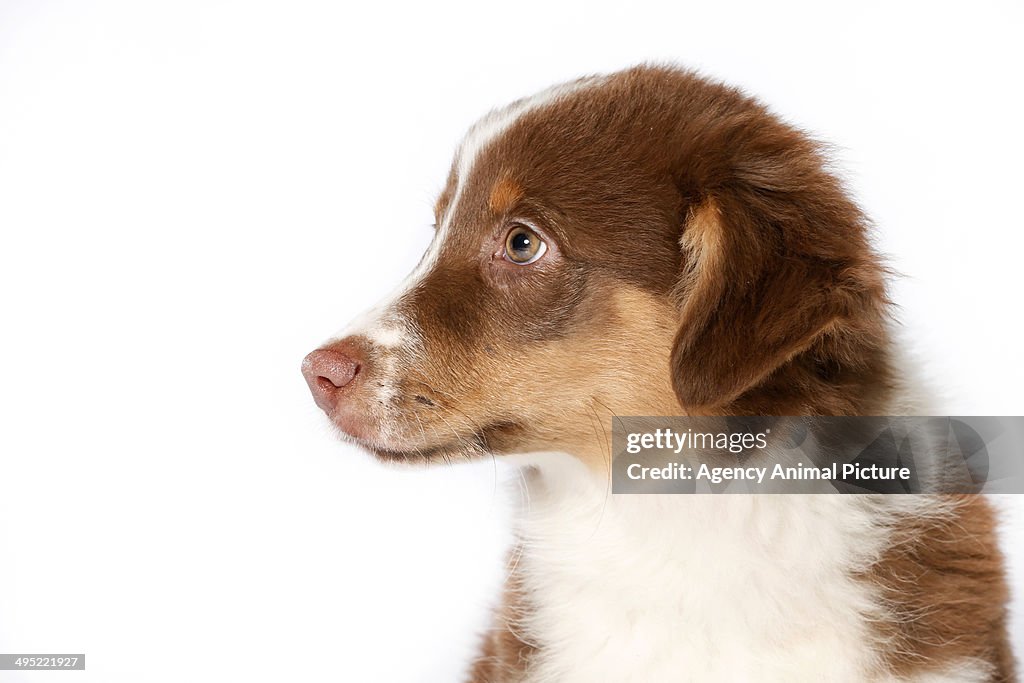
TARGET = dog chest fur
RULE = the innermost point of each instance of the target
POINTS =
(725, 588)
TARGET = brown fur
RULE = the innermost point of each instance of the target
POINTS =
(784, 313)
(943, 582)
(702, 260)
(504, 657)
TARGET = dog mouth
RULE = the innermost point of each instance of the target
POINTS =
(415, 427)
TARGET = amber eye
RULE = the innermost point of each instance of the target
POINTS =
(523, 246)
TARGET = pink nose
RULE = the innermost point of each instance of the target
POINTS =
(327, 372)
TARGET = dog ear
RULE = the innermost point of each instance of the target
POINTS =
(767, 277)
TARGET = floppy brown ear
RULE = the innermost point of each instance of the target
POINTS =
(776, 288)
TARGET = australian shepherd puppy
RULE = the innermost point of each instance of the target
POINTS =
(654, 243)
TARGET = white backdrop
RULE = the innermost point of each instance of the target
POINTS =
(193, 194)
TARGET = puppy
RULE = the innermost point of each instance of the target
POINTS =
(653, 243)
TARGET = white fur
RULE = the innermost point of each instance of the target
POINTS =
(966, 671)
(389, 337)
(649, 588)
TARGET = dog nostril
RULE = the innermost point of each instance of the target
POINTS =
(331, 383)
(326, 384)
(327, 371)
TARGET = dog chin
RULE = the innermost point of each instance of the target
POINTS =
(448, 453)
(468, 448)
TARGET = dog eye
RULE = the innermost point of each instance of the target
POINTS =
(523, 246)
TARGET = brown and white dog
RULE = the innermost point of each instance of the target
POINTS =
(653, 243)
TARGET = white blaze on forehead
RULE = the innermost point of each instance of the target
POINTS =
(493, 125)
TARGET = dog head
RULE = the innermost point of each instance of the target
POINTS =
(644, 243)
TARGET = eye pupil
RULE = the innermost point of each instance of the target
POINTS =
(521, 242)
